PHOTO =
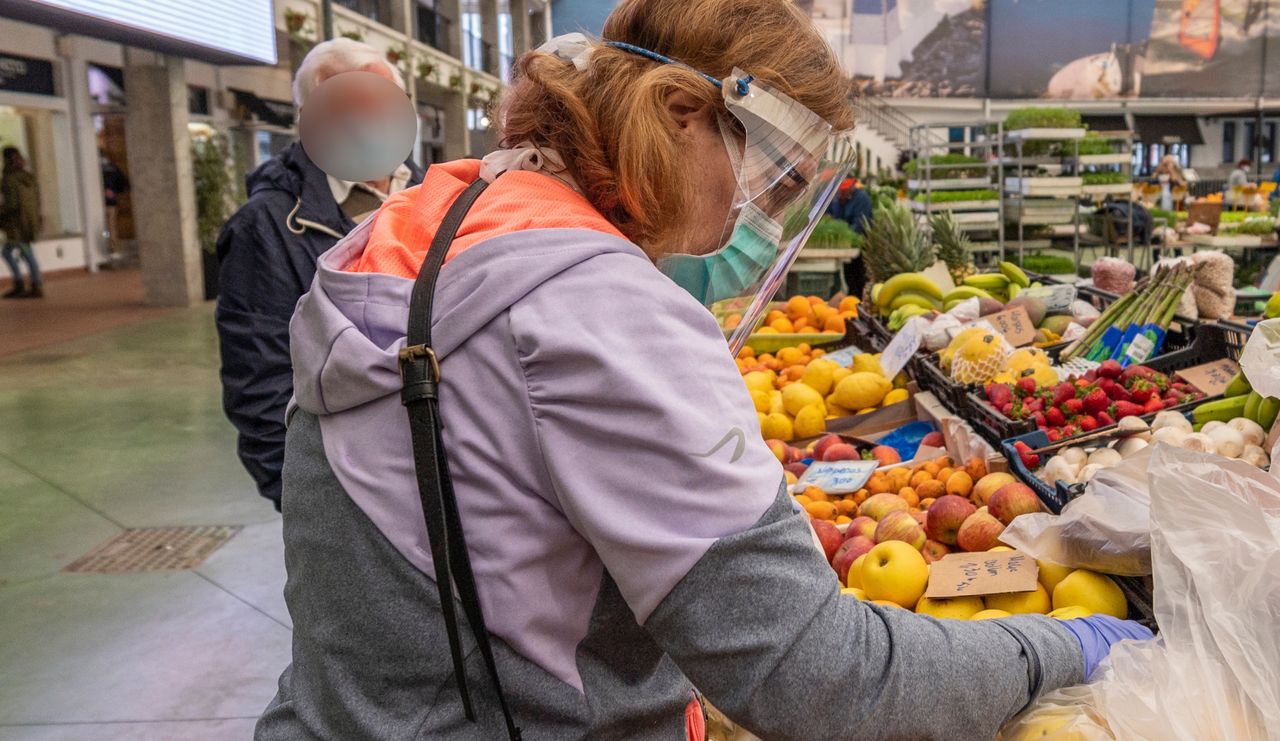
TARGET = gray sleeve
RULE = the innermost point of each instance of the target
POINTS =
(760, 626)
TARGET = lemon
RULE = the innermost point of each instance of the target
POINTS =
(759, 381)
(777, 427)
(900, 380)
(895, 396)
(839, 374)
(989, 615)
(867, 363)
(811, 421)
(761, 400)
(854, 592)
(862, 390)
(1092, 591)
(1070, 613)
(797, 396)
(775, 403)
(819, 375)
(1051, 574)
(1020, 603)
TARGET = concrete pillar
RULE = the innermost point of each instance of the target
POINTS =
(161, 178)
(519, 27)
(84, 147)
(457, 137)
(489, 34)
(452, 9)
(540, 27)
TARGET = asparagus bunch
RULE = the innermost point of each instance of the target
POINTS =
(1144, 313)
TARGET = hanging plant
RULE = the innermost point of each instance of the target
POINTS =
(354, 34)
(426, 70)
(397, 54)
(295, 22)
(455, 81)
(476, 89)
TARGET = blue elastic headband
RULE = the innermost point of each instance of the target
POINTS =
(742, 88)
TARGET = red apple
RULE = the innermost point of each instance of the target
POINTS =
(885, 455)
(780, 450)
(900, 526)
(796, 468)
(795, 455)
(841, 452)
(820, 447)
(848, 552)
(1012, 500)
(946, 515)
(933, 551)
(933, 440)
(920, 515)
(880, 505)
(864, 526)
(979, 532)
(828, 535)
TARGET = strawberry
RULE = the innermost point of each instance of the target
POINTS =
(1110, 369)
(1035, 405)
(1091, 375)
(1088, 423)
(1083, 383)
(1170, 403)
(1105, 419)
(1142, 390)
(1039, 418)
(1128, 409)
(1108, 387)
(1072, 407)
(1032, 462)
(1135, 371)
(1068, 430)
(1062, 392)
(1055, 417)
(1120, 393)
(1000, 394)
(1007, 409)
(1054, 434)
(1153, 405)
(1096, 401)
(1027, 385)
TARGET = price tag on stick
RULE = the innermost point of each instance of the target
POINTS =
(976, 574)
(837, 477)
(1015, 324)
(903, 345)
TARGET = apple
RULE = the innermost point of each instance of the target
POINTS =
(848, 552)
(933, 440)
(828, 535)
(900, 526)
(1020, 603)
(820, 447)
(854, 577)
(1012, 500)
(1092, 591)
(979, 532)
(1051, 574)
(797, 469)
(861, 526)
(988, 485)
(854, 592)
(879, 505)
(1070, 613)
(933, 551)
(841, 452)
(885, 455)
(780, 450)
(990, 615)
(921, 516)
(953, 608)
(946, 515)
(896, 572)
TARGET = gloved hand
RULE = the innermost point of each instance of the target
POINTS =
(1097, 633)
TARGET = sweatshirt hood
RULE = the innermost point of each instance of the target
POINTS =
(347, 331)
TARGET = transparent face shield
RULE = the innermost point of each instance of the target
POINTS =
(789, 164)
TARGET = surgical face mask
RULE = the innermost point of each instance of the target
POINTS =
(357, 126)
(735, 267)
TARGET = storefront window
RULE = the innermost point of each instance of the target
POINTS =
(37, 133)
(1229, 141)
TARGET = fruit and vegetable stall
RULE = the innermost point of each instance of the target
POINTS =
(952, 421)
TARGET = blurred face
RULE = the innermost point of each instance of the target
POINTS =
(357, 126)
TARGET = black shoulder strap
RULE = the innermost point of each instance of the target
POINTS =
(420, 371)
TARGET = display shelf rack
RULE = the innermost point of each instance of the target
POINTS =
(1119, 160)
(981, 218)
(1034, 197)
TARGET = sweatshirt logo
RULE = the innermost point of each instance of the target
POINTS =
(739, 448)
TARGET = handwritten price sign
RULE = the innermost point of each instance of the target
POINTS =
(1015, 325)
(1211, 378)
(976, 574)
(838, 477)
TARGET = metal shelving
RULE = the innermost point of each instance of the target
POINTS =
(1120, 160)
(1035, 199)
(983, 217)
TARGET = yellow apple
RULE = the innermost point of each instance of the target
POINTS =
(1020, 603)
(955, 608)
(1090, 590)
(886, 603)
(999, 548)
(1051, 574)
(894, 571)
(854, 592)
(1070, 613)
(989, 615)
(854, 577)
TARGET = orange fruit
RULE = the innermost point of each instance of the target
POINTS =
(932, 468)
(821, 510)
(960, 484)
(733, 321)
(815, 494)
(819, 352)
(802, 324)
(797, 306)
(802, 499)
(815, 300)
(901, 475)
(849, 303)
(783, 326)
(931, 489)
(846, 506)
(861, 496)
(766, 330)
(773, 316)
(944, 474)
(747, 352)
(833, 324)
(943, 462)
(877, 484)
(976, 468)
(910, 495)
(918, 478)
(843, 519)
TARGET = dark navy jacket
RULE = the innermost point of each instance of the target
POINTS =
(852, 210)
(267, 253)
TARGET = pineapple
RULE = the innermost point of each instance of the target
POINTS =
(953, 246)
(895, 244)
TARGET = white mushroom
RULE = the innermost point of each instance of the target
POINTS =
(1251, 431)
(1088, 472)
(1059, 469)
(1170, 418)
(1199, 441)
(1169, 435)
(1130, 445)
(1227, 441)
(1211, 425)
(1105, 457)
(1255, 455)
(1135, 427)
(1075, 456)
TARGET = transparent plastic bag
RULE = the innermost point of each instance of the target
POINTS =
(1214, 673)
(1105, 529)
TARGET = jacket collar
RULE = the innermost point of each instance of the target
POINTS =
(316, 206)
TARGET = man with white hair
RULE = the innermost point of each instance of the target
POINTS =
(267, 252)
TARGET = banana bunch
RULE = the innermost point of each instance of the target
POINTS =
(1239, 400)
(1003, 286)
(907, 293)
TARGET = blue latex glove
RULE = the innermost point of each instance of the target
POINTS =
(1097, 633)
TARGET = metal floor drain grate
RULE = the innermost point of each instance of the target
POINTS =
(154, 549)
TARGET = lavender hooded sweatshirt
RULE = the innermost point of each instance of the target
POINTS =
(629, 530)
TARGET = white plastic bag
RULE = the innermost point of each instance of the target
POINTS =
(1215, 671)
(1105, 529)
(1260, 360)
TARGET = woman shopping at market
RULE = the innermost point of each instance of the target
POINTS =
(628, 535)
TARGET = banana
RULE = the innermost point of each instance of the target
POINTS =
(948, 306)
(964, 292)
(1014, 290)
(1036, 284)
(875, 292)
(1267, 411)
(899, 317)
(987, 281)
(1252, 401)
(1223, 410)
(914, 299)
(1239, 386)
(904, 282)
(1015, 274)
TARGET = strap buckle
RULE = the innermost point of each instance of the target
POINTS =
(410, 354)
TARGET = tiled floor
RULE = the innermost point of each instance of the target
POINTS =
(117, 429)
